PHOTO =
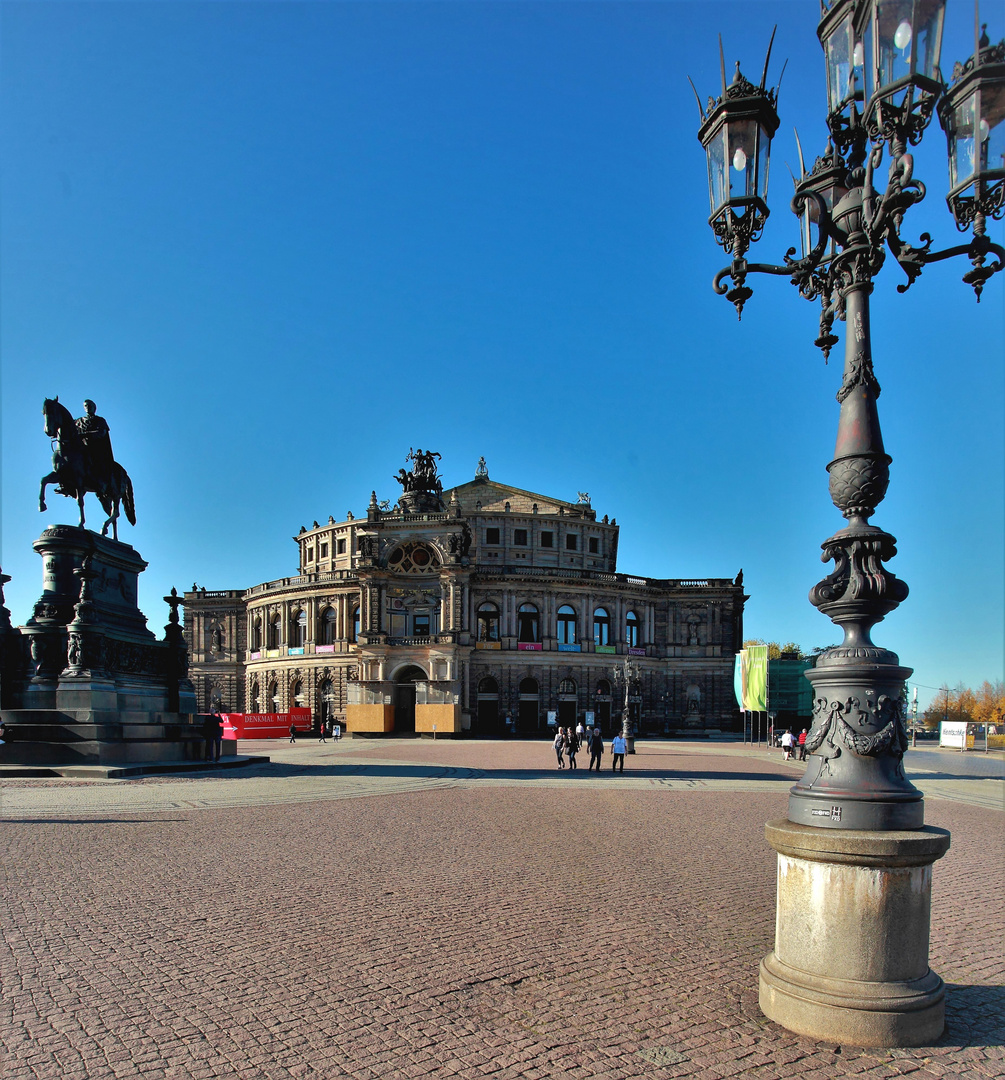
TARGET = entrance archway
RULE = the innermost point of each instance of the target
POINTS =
(404, 697)
(487, 720)
(568, 702)
(529, 717)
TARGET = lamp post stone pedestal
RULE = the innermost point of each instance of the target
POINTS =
(850, 963)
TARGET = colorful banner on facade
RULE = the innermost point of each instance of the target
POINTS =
(739, 678)
(755, 697)
(637, 652)
(529, 646)
(265, 725)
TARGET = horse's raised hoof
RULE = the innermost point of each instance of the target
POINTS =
(41, 505)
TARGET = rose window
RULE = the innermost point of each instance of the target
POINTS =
(414, 558)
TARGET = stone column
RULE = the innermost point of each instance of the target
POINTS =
(850, 963)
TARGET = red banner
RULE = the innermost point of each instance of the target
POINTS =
(265, 725)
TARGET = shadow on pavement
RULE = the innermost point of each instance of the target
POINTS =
(974, 1016)
(281, 770)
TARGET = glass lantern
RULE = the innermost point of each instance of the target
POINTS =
(845, 57)
(901, 44)
(828, 179)
(973, 117)
(737, 135)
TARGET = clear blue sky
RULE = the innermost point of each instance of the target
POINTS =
(281, 243)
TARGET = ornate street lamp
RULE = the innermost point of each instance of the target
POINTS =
(854, 812)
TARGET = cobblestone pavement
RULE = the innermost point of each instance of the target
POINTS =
(472, 913)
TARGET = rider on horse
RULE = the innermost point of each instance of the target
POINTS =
(95, 436)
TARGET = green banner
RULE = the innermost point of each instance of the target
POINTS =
(755, 695)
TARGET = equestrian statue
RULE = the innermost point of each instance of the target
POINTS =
(82, 461)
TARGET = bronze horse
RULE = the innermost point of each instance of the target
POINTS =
(71, 473)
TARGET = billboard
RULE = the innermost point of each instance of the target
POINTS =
(265, 725)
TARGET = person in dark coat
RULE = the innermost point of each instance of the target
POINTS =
(217, 736)
(209, 734)
(293, 733)
(596, 749)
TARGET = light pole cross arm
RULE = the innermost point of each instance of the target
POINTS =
(914, 259)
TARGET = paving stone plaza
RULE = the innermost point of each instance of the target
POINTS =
(449, 909)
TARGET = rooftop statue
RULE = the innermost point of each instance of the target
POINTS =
(82, 461)
(423, 476)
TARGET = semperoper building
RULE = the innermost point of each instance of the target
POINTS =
(477, 609)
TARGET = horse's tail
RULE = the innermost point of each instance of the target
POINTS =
(127, 498)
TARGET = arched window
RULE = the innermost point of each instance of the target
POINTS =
(298, 695)
(488, 622)
(566, 625)
(256, 634)
(256, 701)
(632, 630)
(354, 625)
(603, 688)
(328, 618)
(567, 687)
(528, 624)
(601, 627)
(488, 685)
(298, 629)
(275, 632)
(274, 698)
(528, 687)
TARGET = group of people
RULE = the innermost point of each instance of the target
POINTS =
(334, 729)
(794, 744)
(569, 741)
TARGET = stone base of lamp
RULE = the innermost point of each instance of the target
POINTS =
(850, 964)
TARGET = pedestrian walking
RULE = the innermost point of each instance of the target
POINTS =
(573, 747)
(209, 735)
(321, 732)
(596, 749)
(580, 733)
(217, 736)
(802, 745)
(787, 741)
(619, 747)
(293, 733)
(559, 745)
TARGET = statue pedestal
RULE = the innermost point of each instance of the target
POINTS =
(850, 963)
(98, 687)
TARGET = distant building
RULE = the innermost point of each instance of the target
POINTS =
(790, 696)
(464, 607)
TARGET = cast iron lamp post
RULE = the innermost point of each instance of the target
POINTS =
(854, 845)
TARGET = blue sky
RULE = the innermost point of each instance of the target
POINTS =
(281, 243)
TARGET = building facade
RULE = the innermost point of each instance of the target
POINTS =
(480, 609)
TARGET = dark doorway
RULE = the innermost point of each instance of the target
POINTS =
(567, 714)
(404, 698)
(604, 716)
(528, 718)
(488, 716)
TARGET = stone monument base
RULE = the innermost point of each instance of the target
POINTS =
(850, 963)
(84, 681)
(44, 737)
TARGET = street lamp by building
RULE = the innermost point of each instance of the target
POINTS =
(627, 674)
(851, 956)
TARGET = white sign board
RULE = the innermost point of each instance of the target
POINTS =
(590, 714)
(552, 719)
(952, 733)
